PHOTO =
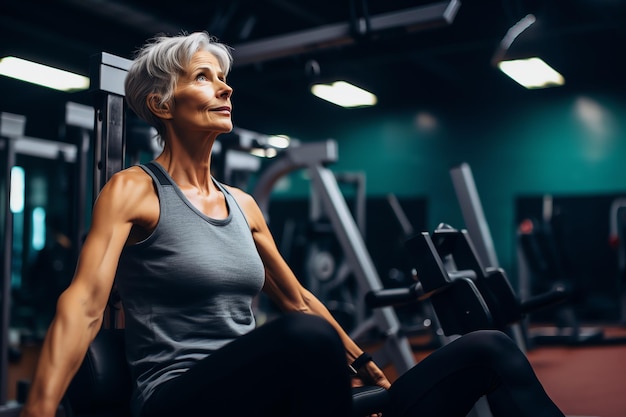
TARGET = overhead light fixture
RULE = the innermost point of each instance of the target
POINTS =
(531, 73)
(522, 63)
(344, 94)
(43, 75)
(279, 141)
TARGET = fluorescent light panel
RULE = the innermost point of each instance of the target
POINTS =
(344, 94)
(43, 75)
(531, 73)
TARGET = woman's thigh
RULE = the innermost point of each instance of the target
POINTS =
(292, 363)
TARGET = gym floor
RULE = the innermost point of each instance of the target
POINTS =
(583, 380)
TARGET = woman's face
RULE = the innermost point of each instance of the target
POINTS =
(202, 97)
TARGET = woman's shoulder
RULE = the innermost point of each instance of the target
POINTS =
(131, 176)
(128, 185)
(242, 197)
(248, 204)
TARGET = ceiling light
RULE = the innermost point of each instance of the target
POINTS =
(531, 73)
(279, 141)
(344, 94)
(518, 56)
(264, 152)
(42, 75)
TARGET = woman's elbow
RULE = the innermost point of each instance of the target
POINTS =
(76, 305)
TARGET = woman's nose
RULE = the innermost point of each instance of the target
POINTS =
(226, 91)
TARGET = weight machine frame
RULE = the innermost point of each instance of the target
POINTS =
(314, 157)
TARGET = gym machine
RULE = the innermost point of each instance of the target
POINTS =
(11, 127)
(617, 235)
(478, 229)
(315, 157)
(13, 142)
(542, 263)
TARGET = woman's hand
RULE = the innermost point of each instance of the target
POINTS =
(370, 374)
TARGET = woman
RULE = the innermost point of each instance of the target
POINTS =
(189, 254)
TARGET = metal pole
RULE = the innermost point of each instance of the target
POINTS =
(6, 270)
(473, 214)
(397, 347)
(107, 75)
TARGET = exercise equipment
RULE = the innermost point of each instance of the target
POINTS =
(10, 127)
(14, 144)
(540, 257)
(427, 320)
(617, 239)
(486, 301)
(456, 300)
(478, 229)
(506, 307)
(315, 158)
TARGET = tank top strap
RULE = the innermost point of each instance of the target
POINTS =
(157, 172)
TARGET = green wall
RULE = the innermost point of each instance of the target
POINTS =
(547, 142)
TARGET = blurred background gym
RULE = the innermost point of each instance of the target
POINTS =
(534, 173)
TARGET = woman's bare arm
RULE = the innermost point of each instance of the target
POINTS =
(80, 308)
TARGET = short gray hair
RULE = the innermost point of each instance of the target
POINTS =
(158, 64)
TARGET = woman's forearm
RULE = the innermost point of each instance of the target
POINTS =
(353, 351)
(62, 353)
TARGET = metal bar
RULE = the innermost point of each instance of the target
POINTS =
(109, 140)
(341, 33)
(107, 75)
(473, 214)
(396, 345)
(81, 189)
(6, 270)
(44, 148)
(403, 220)
(430, 15)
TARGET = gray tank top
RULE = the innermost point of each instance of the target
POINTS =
(187, 289)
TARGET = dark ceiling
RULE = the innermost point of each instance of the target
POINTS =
(405, 63)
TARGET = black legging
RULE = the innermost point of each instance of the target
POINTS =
(296, 366)
(292, 366)
(449, 381)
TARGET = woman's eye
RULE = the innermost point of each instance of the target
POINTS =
(201, 77)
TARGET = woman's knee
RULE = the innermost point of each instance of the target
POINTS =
(494, 347)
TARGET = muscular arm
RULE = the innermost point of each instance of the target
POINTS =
(80, 308)
(282, 286)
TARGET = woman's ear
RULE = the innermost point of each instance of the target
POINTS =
(161, 110)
